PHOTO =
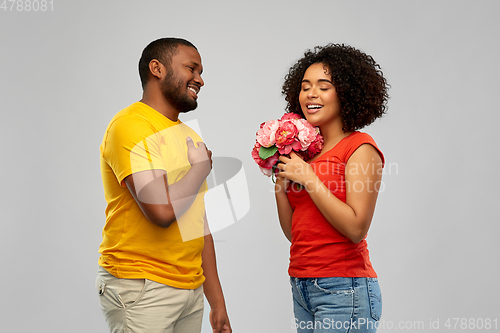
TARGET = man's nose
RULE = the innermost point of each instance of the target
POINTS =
(199, 80)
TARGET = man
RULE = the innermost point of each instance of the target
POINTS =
(151, 276)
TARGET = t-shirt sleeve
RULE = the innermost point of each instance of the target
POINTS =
(132, 145)
(358, 140)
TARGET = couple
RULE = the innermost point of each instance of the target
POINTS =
(157, 254)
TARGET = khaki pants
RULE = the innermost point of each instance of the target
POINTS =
(145, 306)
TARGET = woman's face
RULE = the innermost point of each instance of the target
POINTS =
(318, 97)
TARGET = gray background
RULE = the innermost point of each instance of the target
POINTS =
(65, 73)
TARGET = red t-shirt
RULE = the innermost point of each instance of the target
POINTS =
(318, 249)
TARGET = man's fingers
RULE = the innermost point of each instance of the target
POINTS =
(189, 142)
(199, 143)
(218, 327)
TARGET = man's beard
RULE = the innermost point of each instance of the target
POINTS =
(172, 90)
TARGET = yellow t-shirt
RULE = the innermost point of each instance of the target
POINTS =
(139, 138)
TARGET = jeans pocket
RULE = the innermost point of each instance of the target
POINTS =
(334, 285)
(375, 297)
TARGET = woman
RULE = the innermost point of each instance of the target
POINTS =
(325, 205)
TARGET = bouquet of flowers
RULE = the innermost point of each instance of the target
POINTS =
(280, 137)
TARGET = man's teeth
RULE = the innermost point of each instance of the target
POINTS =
(193, 90)
(314, 107)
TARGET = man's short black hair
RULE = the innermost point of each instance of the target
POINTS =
(162, 50)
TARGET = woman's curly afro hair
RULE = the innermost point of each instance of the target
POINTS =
(358, 80)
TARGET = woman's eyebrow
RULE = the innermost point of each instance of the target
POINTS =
(320, 80)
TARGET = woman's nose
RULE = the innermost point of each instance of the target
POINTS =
(312, 93)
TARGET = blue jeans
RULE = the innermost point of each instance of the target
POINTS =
(336, 304)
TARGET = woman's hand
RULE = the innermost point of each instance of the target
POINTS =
(296, 169)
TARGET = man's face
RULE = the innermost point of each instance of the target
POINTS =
(183, 81)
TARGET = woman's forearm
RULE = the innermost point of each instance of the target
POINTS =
(285, 211)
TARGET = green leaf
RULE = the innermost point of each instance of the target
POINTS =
(265, 153)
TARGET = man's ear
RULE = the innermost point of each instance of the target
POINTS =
(156, 69)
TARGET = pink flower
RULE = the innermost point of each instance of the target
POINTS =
(286, 138)
(291, 132)
(286, 134)
(271, 161)
(307, 133)
(315, 146)
(285, 150)
(268, 172)
(266, 136)
(290, 116)
(268, 162)
(255, 154)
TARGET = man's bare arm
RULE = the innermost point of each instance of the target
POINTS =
(161, 203)
(219, 319)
